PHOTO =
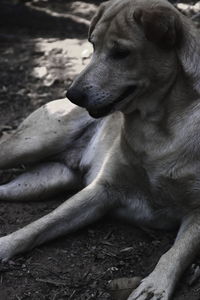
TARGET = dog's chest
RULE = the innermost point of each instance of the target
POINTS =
(148, 143)
(168, 152)
(98, 148)
(139, 211)
(171, 162)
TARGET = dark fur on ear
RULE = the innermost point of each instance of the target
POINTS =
(161, 25)
(96, 18)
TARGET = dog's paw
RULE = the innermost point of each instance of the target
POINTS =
(150, 289)
(6, 248)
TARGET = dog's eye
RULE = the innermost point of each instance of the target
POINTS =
(117, 53)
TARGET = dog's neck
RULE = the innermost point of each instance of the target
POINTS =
(176, 98)
(189, 52)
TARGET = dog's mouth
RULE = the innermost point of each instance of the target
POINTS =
(105, 110)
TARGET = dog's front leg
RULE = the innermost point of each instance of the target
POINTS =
(159, 285)
(85, 207)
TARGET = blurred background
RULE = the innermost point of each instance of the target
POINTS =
(43, 44)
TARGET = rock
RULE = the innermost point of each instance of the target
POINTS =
(39, 72)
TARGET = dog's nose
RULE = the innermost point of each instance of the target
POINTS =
(77, 96)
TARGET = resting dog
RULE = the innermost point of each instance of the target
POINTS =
(132, 147)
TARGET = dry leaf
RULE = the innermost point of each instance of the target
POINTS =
(121, 288)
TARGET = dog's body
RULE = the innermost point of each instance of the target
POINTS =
(139, 159)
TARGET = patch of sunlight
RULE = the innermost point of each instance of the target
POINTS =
(60, 59)
(189, 7)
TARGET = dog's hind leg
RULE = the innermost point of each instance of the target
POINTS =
(80, 210)
(160, 284)
(47, 131)
(40, 182)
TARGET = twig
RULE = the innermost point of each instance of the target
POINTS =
(50, 281)
(73, 293)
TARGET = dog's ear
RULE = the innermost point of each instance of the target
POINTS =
(161, 25)
(96, 18)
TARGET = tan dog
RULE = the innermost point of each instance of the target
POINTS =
(142, 160)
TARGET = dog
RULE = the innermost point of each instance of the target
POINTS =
(128, 142)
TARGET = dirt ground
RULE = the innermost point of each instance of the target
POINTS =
(43, 45)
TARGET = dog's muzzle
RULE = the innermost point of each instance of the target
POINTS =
(96, 106)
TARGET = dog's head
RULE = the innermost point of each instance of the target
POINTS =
(134, 56)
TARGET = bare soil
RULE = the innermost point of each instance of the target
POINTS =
(43, 45)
